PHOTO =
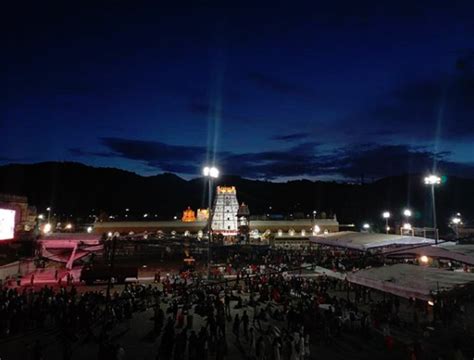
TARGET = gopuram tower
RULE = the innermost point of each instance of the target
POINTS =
(224, 214)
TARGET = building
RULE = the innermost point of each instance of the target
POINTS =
(202, 214)
(188, 215)
(243, 216)
(290, 242)
(224, 212)
(284, 229)
(229, 219)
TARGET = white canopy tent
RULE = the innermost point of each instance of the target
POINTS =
(407, 281)
(366, 241)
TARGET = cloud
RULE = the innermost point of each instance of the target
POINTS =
(376, 160)
(306, 159)
(80, 152)
(201, 109)
(267, 82)
(441, 108)
(198, 108)
(291, 137)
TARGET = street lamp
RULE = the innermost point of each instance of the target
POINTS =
(211, 172)
(433, 180)
(424, 259)
(407, 213)
(456, 221)
(366, 226)
(48, 209)
(314, 218)
(47, 228)
(386, 216)
(316, 229)
(407, 226)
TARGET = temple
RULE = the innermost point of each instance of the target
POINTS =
(202, 214)
(224, 213)
(189, 215)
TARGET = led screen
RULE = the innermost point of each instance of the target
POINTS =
(7, 224)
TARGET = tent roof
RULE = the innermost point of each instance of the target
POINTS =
(461, 253)
(366, 241)
(68, 240)
(71, 236)
(411, 280)
(465, 249)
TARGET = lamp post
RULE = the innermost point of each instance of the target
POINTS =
(386, 216)
(407, 213)
(455, 221)
(48, 209)
(211, 172)
(433, 180)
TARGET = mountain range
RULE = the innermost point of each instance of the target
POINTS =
(77, 189)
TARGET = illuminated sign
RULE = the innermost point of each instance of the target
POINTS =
(7, 224)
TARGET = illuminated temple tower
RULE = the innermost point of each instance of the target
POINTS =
(243, 216)
(188, 215)
(224, 214)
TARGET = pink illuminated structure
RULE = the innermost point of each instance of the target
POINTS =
(67, 248)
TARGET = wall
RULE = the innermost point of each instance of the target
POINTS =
(21, 267)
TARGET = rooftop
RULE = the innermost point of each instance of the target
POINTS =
(407, 281)
(367, 241)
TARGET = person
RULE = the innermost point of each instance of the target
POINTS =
(307, 351)
(227, 304)
(189, 320)
(260, 348)
(159, 318)
(245, 323)
(252, 345)
(37, 351)
(236, 326)
(276, 349)
(193, 346)
(301, 350)
(67, 350)
(221, 348)
(120, 353)
(293, 351)
(180, 319)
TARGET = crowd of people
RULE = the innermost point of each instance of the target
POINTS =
(264, 311)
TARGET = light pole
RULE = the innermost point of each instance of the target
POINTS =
(455, 221)
(48, 209)
(211, 172)
(407, 213)
(386, 216)
(433, 180)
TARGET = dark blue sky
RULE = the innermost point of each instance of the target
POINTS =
(329, 90)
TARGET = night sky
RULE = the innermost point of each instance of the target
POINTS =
(318, 90)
